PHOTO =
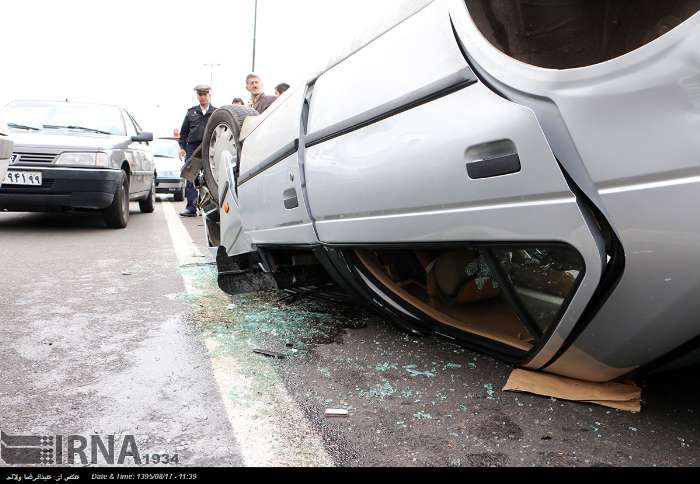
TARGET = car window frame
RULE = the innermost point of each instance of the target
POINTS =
(137, 126)
(127, 125)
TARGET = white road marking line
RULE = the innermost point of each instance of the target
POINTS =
(271, 430)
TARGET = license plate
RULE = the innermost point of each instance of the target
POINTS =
(30, 178)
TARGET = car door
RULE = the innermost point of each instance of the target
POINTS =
(418, 151)
(142, 168)
(273, 206)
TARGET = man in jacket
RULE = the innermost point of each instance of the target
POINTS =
(191, 135)
(259, 100)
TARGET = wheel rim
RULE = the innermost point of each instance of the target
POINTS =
(222, 149)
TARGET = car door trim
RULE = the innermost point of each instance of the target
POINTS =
(283, 153)
(440, 88)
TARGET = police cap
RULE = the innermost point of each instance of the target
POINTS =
(203, 88)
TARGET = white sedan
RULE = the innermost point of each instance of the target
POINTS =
(166, 155)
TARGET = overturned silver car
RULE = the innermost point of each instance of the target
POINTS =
(520, 177)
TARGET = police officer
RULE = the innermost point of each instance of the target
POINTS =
(191, 135)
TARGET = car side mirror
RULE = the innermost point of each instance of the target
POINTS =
(142, 138)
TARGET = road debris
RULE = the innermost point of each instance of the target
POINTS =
(384, 367)
(414, 372)
(422, 415)
(337, 412)
(269, 354)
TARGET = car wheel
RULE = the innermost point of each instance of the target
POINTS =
(148, 204)
(221, 142)
(179, 195)
(116, 216)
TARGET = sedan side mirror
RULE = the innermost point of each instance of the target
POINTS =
(142, 138)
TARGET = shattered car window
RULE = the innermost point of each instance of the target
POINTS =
(511, 295)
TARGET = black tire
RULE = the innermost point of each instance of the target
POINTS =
(148, 204)
(232, 117)
(116, 216)
(179, 196)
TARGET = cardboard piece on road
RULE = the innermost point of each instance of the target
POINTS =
(623, 396)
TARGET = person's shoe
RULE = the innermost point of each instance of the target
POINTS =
(187, 213)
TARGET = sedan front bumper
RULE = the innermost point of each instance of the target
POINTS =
(62, 189)
(169, 185)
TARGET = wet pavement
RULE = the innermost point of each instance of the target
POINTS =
(117, 333)
(95, 338)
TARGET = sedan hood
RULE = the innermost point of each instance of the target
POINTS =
(61, 141)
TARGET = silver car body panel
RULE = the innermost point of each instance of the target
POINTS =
(383, 195)
(233, 238)
(634, 122)
(270, 174)
(396, 66)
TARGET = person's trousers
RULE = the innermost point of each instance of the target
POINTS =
(190, 191)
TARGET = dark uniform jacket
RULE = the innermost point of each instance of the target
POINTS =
(192, 130)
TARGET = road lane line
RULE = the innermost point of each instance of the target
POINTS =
(269, 426)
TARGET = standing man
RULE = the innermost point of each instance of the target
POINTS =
(191, 135)
(259, 100)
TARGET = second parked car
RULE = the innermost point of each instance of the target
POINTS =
(166, 152)
(75, 156)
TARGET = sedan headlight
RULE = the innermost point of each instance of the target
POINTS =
(100, 160)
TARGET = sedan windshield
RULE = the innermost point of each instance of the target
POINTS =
(164, 148)
(84, 118)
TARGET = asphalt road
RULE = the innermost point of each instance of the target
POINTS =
(125, 333)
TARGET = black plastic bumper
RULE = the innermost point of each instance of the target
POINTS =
(62, 189)
(169, 185)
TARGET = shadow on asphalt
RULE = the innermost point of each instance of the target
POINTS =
(57, 221)
(54, 221)
(673, 389)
